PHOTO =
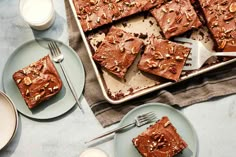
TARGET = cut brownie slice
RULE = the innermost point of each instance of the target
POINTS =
(38, 82)
(118, 51)
(164, 58)
(176, 17)
(95, 13)
(160, 139)
(220, 16)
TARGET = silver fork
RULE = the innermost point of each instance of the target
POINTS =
(140, 120)
(199, 53)
(58, 57)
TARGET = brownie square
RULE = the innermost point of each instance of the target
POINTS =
(96, 13)
(176, 17)
(164, 58)
(220, 17)
(118, 51)
(38, 81)
(160, 140)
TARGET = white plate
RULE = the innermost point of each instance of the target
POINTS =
(123, 141)
(58, 104)
(8, 120)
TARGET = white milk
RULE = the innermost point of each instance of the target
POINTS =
(93, 152)
(39, 14)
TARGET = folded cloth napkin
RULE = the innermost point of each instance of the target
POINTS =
(219, 82)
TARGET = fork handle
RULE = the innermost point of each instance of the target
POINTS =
(71, 87)
(111, 131)
(224, 54)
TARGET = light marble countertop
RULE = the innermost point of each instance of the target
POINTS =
(213, 120)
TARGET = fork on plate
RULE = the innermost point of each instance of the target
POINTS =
(199, 53)
(139, 121)
(58, 57)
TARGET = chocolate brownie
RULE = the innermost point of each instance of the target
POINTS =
(176, 17)
(95, 13)
(160, 139)
(118, 51)
(38, 81)
(164, 58)
(220, 17)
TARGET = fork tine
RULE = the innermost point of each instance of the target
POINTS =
(51, 49)
(147, 117)
(55, 48)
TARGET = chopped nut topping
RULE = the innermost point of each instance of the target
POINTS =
(18, 81)
(37, 97)
(27, 92)
(122, 49)
(93, 2)
(178, 19)
(27, 81)
(228, 17)
(224, 2)
(178, 58)
(104, 16)
(153, 48)
(133, 51)
(98, 20)
(188, 17)
(163, 66)
(223, 43)
(171, 10)
(152, 64)
(46, 85)
(166, 124)
(232, 7)
(172, 29)
(152, 1)
(26, 71)
(164, 10)
(55, 88)
(167, 55)
(50, 89)
(186, 24)
(168, 20)
(119, 34)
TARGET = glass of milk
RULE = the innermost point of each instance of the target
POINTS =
(39, 14)
(93, 152)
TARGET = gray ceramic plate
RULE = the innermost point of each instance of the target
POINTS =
(60, 103)
(123, 141)
(9, 120)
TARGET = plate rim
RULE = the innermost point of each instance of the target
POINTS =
(10, 102)
(158, 104)
(45, 39)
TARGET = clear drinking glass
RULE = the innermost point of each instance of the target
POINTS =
(39, 14)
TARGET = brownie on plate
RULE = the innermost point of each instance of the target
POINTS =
(220, 17)
(38, 81)
(118, 51)
(164, 58)
(160, 140)
(176, 17)
(95, 13)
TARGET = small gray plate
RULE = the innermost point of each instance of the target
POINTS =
(123, 141)
(58, 104)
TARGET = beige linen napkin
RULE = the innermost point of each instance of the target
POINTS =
(217, 83)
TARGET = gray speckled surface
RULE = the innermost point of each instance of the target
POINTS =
(214, 120)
